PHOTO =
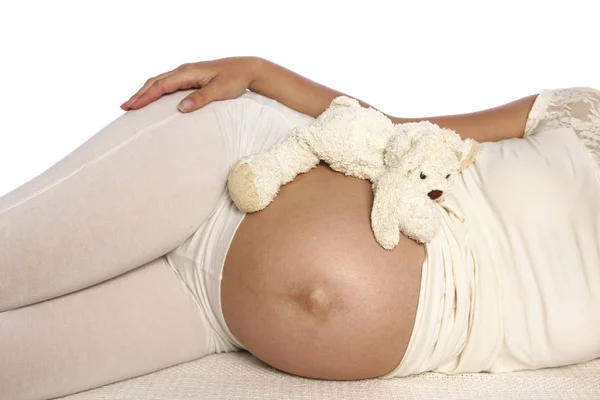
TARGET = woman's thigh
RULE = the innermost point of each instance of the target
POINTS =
(130, 325)
(132, 192)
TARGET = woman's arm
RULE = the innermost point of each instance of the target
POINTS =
(228, 78)
(293, 90)
(494, 124)
(309, 97)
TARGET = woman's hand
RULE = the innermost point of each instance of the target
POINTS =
(221, 79)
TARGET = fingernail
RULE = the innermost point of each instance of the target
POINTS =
(186, 105)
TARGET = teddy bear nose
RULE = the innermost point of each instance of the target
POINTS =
(435, 194)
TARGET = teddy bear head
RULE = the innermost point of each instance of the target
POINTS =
(428, 156)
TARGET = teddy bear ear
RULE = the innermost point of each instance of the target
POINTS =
(345, 101)
(396, 148)
(469, 151)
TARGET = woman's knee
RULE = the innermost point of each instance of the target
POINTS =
(132, 192)
(294, 118)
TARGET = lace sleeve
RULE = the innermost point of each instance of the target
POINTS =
(577, 108)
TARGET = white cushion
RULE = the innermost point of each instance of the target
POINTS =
(241, 376)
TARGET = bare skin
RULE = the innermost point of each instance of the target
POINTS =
(305, 286)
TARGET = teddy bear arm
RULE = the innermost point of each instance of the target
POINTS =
(254, 181)
(384, 221)
(363, 170)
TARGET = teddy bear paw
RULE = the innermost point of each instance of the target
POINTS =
(242, 188)
(421, 231)
(248, 194)
(388, 238)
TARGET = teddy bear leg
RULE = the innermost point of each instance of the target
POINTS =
(254, 181)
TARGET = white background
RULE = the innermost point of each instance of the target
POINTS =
(66, 66)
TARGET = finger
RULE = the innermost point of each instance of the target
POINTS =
(144, 88)
(214, 90)
(168, 84)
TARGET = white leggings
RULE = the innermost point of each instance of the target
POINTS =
(111, 259)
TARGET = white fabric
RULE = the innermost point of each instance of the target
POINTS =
(512, 281)
(237, 376)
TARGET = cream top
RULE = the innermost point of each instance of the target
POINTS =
(512, 280)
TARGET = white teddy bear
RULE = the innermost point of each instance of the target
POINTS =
(410, 165)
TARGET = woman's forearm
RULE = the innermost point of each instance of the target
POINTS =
(311, 98)
(491, 125)
(293, 90)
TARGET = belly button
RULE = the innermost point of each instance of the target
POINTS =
(315, 301)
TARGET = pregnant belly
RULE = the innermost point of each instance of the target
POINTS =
(307, 289)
